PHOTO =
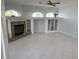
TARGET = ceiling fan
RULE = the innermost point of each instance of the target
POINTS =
(52, 3)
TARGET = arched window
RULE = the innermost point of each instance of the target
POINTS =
(12, 13)
(50, 14)
(37, 14)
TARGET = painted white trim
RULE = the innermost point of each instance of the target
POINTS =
(4, 39)
(3, 47)
(68, 34)
(51, 31)
(32, 26)
(63, 33)
(46, 25)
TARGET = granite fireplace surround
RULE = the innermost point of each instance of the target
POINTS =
(17, 28)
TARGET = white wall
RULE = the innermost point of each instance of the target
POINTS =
(4, 39)
(29, 10)
(69, 20)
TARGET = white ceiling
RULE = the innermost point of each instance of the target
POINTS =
(36, 2)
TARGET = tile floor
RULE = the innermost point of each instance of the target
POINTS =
(44, 46)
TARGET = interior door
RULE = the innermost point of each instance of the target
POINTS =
(39, 26)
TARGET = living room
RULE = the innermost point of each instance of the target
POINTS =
(37, 30)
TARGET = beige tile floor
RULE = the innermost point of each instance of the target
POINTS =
(44, 46)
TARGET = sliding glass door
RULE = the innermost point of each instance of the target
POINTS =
(52, 25)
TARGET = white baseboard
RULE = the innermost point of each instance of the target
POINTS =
(63, 33)
(68, 34)
(50, 31)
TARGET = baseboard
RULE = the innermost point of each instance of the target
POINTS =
(63, 33)
(68, 34)
(50, 31)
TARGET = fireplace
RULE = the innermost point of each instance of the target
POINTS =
(18, 28)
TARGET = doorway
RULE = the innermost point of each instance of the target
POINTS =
(52, 24)
(39, 26)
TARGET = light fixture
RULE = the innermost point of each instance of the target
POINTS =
(55, 15)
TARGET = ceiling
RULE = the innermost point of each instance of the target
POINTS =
(37, 2)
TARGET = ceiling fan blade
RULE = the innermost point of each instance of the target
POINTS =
(52, 3)
(56, 3)
(49, 0)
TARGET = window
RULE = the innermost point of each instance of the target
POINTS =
(12, 13)
(50, 14)
(37, 14)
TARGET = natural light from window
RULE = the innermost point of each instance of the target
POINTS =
(37, 14)
(12, 13)
(50, 14)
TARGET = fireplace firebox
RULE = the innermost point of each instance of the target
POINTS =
(19, 29)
